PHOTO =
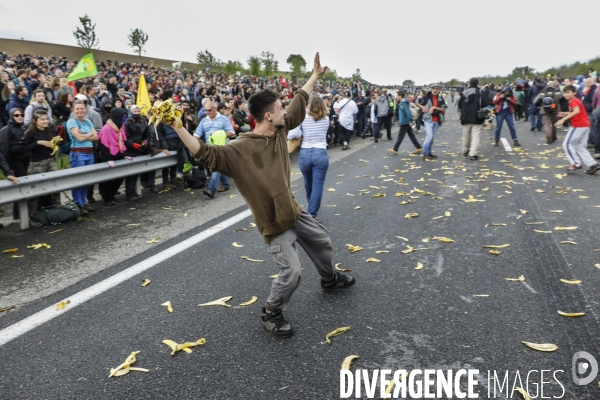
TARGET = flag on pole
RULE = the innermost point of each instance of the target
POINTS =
(143, 100)
(177, 65)
(85, 68)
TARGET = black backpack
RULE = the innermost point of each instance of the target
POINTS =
(197, 178)
(60, 214)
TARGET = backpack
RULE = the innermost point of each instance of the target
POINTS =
(61, 130)
(59, 214)
(548, 102)
(196, 179)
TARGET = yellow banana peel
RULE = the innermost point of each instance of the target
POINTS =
(577, 314)
(547, 347)
(168, 305)
(220, 302)
(348, 361)
(251, 301)
(175, 347)
(336, 332)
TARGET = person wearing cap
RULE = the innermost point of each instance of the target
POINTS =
(90, 113)
(548, 101)
(434, 107)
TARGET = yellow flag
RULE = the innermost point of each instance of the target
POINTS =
(143, 100)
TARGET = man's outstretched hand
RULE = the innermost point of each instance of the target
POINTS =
(317, 69)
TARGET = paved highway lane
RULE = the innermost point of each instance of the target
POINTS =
(400, 317)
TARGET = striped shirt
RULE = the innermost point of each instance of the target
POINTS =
(314, 133)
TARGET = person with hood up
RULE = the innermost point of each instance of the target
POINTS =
(11, 135)
(138, 140)
(111, 147)
(534, 111)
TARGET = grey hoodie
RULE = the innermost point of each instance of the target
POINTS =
(382, 103)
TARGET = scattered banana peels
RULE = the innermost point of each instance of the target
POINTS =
(574, 282)
(565, 228)
(250, 259)
(573, 315)
(372, 259)
(146, 282)
(168, 305)
(523, 393)
(490, 246)
(126, 367)
(165, 112)
(337, 267)
(419, 266)
(11, 250)
(347, 362)
(235, 244)
(442, 239)
(337, 332)
(38, 246)
(175, 347)
(353, 248)
(411, 215)
(220, 302)
(519, 279)
(62, 305)
(251, 301)
(547, 347)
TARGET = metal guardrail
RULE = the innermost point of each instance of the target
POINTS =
(33, 186)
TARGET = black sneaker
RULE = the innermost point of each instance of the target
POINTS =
(466, 154)
(474, 158)
(339, 281)
(593, 169)
(276, 324)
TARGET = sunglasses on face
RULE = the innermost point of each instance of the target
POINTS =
(17, 115)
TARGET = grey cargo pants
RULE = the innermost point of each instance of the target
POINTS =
(315, 241)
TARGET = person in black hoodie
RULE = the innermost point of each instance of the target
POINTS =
(10, 135)
(111, 147)
(138, 140)
(37, 143)
(471, 100)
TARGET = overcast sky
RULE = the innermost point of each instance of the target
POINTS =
(389, 41)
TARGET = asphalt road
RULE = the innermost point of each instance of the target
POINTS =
(400, 317)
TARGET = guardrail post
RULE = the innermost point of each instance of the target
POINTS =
(23, 214)
(138, 185)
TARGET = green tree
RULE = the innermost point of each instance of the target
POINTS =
(254, 65)
(205, 58)
(357, 75)
(137, 39)
(408, 83)
(86, 35)
(231, 67)
(267, 59)
(297, 63)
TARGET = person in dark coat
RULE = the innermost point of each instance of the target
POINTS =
(138, 141)
(11, 135)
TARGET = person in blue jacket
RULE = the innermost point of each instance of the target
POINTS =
(405, 120)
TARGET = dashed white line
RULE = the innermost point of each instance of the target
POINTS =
(505, 144)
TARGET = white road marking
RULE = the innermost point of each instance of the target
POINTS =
(19, 328)
(505, 144)
(532, 290)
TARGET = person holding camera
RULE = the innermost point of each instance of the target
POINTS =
(504, 109)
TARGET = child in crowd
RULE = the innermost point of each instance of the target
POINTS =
(576, 139)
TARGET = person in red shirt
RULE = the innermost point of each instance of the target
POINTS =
(576, 139)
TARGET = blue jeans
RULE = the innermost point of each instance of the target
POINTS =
(78, 159)
(313, 163)
(509, 121)
(215, 178)
(533, 112)
(431, 129)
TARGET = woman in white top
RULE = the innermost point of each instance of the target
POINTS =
(313, 160)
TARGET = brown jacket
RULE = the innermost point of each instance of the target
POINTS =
(260, 166)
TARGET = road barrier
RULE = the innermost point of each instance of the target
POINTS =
(33, 186)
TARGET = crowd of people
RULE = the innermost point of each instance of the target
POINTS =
(97, 120)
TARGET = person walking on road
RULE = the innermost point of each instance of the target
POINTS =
(433, 107)
(405, 120)
(469, 104)
(576, 139)
(504, 109)
(548, 102)
(346, 109)
(313, 160)
(259, 162)
(384, 116)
